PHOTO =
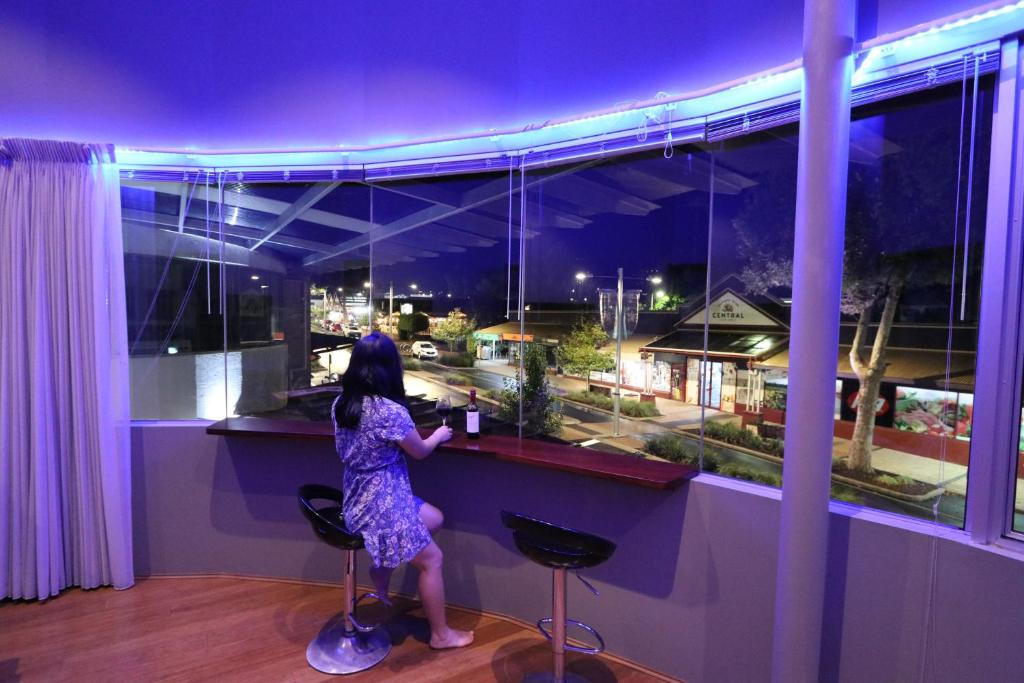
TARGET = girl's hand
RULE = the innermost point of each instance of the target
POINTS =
(443, 434)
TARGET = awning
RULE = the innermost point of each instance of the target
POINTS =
(909, 366)
(738, 344)
(549, 333)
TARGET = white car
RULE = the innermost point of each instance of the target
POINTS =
(351, 330)
(424, 350)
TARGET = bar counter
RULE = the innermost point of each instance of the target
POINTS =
(653, 474)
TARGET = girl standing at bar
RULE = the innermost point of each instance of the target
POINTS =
(371, 427)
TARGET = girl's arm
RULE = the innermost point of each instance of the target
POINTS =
(420, 448)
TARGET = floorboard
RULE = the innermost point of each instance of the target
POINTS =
(236, 629)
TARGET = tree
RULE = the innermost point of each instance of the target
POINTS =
(540, 415)
(455, 329)
(411, 323)
(579, 352)
(899, 213)
(669, 302)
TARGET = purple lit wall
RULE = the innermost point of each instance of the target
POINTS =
(259, 73)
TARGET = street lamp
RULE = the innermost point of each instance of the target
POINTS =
(413, 287)
(654, 280)
(618, 326)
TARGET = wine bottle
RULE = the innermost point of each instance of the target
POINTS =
(472, 417)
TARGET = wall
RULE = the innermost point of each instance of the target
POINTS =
(184, 386)
(260, 73)
(689, 592)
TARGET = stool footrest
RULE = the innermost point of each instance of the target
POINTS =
(579, 624)
(358, 625)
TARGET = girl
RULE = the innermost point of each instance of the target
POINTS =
(371, 423)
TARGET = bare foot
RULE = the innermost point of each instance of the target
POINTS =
(381, 577)
(455, 638)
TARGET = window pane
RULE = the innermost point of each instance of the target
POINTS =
(300, 299)
(446, 290)
(172, 252)
(741, 382)
(644, 215)
(911, 292)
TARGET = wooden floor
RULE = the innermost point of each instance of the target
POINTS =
(234, 629)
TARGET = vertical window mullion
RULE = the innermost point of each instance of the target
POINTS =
(997, 386)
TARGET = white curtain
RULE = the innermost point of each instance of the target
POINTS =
(65, 487)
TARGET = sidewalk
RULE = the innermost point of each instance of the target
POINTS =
(678, 416)
(674, 414)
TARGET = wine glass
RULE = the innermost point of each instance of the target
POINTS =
(444, 408)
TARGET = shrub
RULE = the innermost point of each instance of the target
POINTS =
(411, 364)
(893, 480)
(845, 496)
(627, 406)
(737, 436)
(456, 359)
(739, 472)
(634, 408)
(541, 414)
(456, 378)
(677, 449)
(591, 398)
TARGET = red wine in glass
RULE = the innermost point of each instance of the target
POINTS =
(444, 408)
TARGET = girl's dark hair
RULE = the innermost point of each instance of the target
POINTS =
(375, 369)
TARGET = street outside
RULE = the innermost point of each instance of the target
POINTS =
(594, 428)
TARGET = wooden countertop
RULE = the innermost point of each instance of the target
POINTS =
(654, 474)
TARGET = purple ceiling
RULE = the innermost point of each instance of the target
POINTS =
(259, 74)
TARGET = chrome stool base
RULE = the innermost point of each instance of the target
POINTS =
(335, 652)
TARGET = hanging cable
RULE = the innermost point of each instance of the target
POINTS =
(970, 192)
(508, 286)
(707, 306)
(209, 304)
(928, 617)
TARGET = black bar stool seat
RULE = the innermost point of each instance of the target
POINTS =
(556, 546)
(328, 521)
(344, 645)
(560, 549)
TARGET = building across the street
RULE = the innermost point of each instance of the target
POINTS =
(745, 369)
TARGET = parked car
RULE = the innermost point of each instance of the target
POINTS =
(352, 330)
(424, 350)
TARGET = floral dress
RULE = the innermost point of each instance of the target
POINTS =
(379, 503)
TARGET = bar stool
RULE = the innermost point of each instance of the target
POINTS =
(561, 549)
(344, 645)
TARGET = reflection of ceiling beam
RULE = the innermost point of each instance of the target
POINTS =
(478, 196)
(274, 207)
(183, 206)
(471, 222)
(141, 239)
(308, 199)
(144, 217)
(552, 217)
(449, 234)
(437, 194)
(436, 245)
(642, 182)
(593, 197)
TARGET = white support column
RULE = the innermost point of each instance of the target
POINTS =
(814, 337)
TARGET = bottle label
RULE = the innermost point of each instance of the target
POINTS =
(473, 422)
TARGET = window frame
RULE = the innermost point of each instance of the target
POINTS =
(993, 461)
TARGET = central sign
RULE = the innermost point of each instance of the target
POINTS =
(729, 309)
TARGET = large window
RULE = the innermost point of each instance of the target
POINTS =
(662, 275)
